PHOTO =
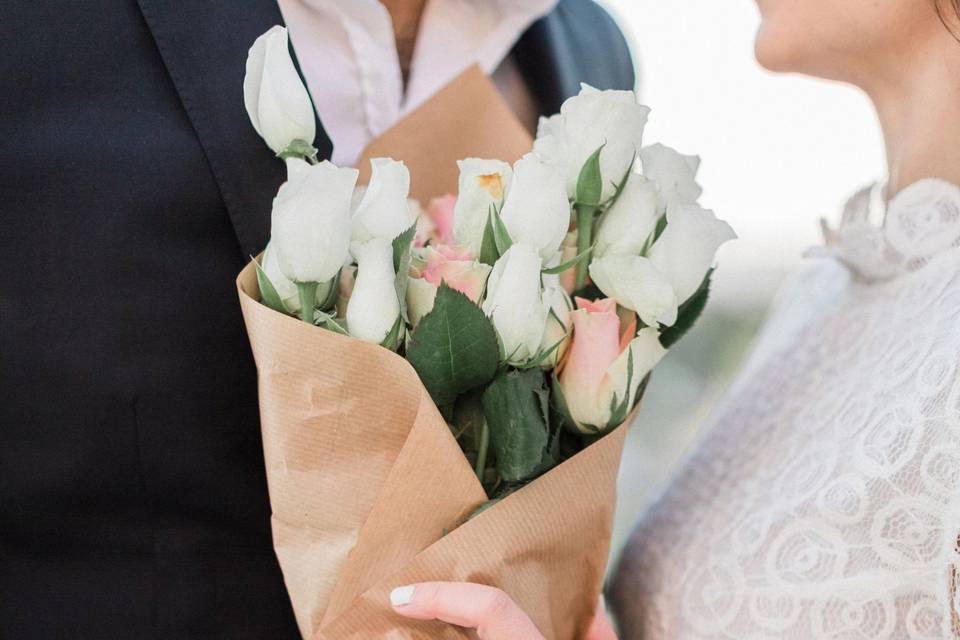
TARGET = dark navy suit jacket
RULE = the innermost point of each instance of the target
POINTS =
(132, 190)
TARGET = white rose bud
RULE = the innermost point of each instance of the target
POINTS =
(635, 283)
(537, 211)
(384, 210)
(515, 303)
(558, 325)
(420, 298)
(482, 183)
(310, 227)
(585, 122)
(276, 100)
(627, 225)
(286, 288)
(674, 173)
(688, 247)
(373, 307)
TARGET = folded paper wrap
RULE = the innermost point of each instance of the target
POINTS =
(369, 488)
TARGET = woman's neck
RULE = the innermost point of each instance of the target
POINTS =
(919, 112)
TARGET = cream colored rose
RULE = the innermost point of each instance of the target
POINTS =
(536, 211)
(383, 210)
(482, 183)
(587, 121)
(310, 226)
(515, 303)
(373, 307)
(276, 100)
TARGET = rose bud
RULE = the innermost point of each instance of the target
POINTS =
(482, 183)
(536, 211)
(373, 308)
(586, 121)
(276, 100)
(310, 225)
(595, 374)
(384, 211)
(515, 303)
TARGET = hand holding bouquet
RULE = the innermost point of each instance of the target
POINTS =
(446, 403)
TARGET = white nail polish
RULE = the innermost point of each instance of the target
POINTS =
(401, 596)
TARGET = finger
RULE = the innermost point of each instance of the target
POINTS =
(600, 628)
(487, 609)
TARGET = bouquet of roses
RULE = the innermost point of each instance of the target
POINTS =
(441, 391)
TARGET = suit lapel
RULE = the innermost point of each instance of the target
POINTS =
(204, 47)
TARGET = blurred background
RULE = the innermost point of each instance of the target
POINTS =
(779, 153)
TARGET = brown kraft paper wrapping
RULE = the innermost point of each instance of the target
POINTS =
(368, 487)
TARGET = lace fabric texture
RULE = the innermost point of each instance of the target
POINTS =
(823, 500)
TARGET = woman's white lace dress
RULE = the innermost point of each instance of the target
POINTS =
(823, 500)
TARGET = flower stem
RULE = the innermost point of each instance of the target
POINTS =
(308, 300)
(585, 213)
(484, 446)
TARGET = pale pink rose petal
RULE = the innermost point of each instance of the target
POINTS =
(440, 212)
(596, 344)
(455, 266)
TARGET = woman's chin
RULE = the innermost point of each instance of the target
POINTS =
(772, 52)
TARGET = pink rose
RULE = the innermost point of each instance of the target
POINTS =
(435, 225)
(596, 369)
(440, 211)
(443, 263)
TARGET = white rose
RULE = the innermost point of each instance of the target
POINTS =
(558, 325)
(688, 247)
(420, 298)
(286, 288)
(310, 225)
(635, 283)
(646, 352)
(536, 211)
(383, 210)
(276, 100)
(674, 173)
(585, 122)
(482, 183)
(515, 303)
(627, 225)
(373, 307)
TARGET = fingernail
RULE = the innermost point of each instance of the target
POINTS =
(401, 596)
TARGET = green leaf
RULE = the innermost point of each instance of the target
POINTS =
(543, 355)
(572, 262)
(688, 313)
(618, 411)
(559, 403)
(516, 405)
(618, 187)
(590, 182)
(402, 251)
(500, 234)
(268, 293)
(332, 290)
(454, 347)
(488, 246)
(395, 336)
(300, 149)
(330, 323)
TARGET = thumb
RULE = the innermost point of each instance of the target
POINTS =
(487, 609)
